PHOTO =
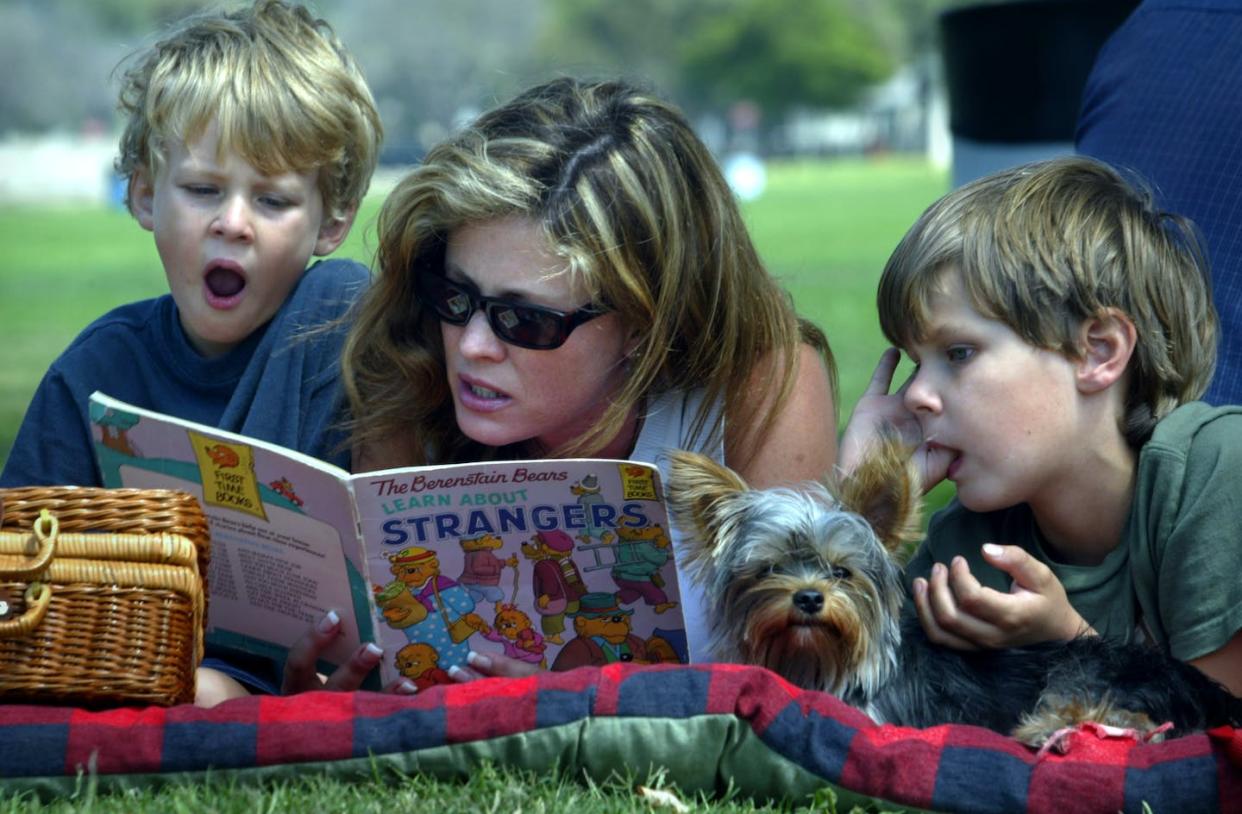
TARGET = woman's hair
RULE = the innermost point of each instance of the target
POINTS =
(1043, 247)
(625, 192)
(284, 91)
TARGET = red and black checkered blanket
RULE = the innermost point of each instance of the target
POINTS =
(711, 727)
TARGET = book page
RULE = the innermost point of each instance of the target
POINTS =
(284, 546)
(556, 563)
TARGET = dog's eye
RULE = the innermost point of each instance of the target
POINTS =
(840, 572)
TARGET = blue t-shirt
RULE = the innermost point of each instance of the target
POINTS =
(1165, 99)
(280, 385)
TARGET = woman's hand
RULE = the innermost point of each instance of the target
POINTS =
(301, 675)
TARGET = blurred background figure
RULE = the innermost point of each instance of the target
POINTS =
(1014, 73)
(1165, 100)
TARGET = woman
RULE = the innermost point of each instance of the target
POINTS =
(570, 276)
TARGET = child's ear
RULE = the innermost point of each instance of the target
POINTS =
(333, 230)
(1107, 343)
(142, 198)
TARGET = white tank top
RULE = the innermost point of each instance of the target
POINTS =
(668, 425)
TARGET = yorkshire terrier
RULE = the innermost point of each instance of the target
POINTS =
(806, 584)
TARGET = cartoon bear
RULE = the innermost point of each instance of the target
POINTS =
(513, 629)
(641, 553)
(419, 662)
(603, 635)
(481, 569)
(556, 581)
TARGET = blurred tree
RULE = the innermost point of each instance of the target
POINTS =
(59, 57)
(141, 17)
(640, 39)
(785, 54)
(908, 28)
(56, 67)
(432, 64)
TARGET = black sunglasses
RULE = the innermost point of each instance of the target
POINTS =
(527, 326)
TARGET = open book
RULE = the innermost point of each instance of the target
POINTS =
(555, 562)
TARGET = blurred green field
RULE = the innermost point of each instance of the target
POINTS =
(824, 228)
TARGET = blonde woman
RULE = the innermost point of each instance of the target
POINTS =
(570, 276)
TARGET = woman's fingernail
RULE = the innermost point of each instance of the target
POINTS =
(920, 586)
(992, 549)
(937, 570)
(478, 660)
(329, 622)
(457, 674)
(407, 687)
(374, 650)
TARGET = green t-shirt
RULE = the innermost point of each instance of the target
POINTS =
(1176, 577)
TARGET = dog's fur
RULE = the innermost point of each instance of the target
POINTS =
(805, 583)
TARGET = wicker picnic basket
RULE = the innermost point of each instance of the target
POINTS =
(102, 595)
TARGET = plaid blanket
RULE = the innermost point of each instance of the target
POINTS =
(709, 726)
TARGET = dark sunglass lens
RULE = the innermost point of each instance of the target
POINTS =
(457, 304)
(451, 303)
(530, 327)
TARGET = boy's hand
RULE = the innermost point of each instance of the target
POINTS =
(878, 410)
(957, 611)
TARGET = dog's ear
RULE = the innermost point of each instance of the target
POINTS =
(884, 489)
(700, 492)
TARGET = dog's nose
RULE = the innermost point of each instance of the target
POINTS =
(809, 601)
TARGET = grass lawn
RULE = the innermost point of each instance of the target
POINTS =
(824, 228)
(490, 790)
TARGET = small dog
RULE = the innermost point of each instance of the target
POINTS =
(807, 586)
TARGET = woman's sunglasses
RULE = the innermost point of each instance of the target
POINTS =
(527, 326)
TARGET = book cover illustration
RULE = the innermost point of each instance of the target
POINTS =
(284, 544)
(555, 563)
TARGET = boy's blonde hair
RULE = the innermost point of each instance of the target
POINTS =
(634, 203)
(286, 94)
(1043, 247)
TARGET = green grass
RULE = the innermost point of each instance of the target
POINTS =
(489, 789)
(824, 228)
(826, 231)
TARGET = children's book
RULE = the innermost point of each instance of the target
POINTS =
(558, 563)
